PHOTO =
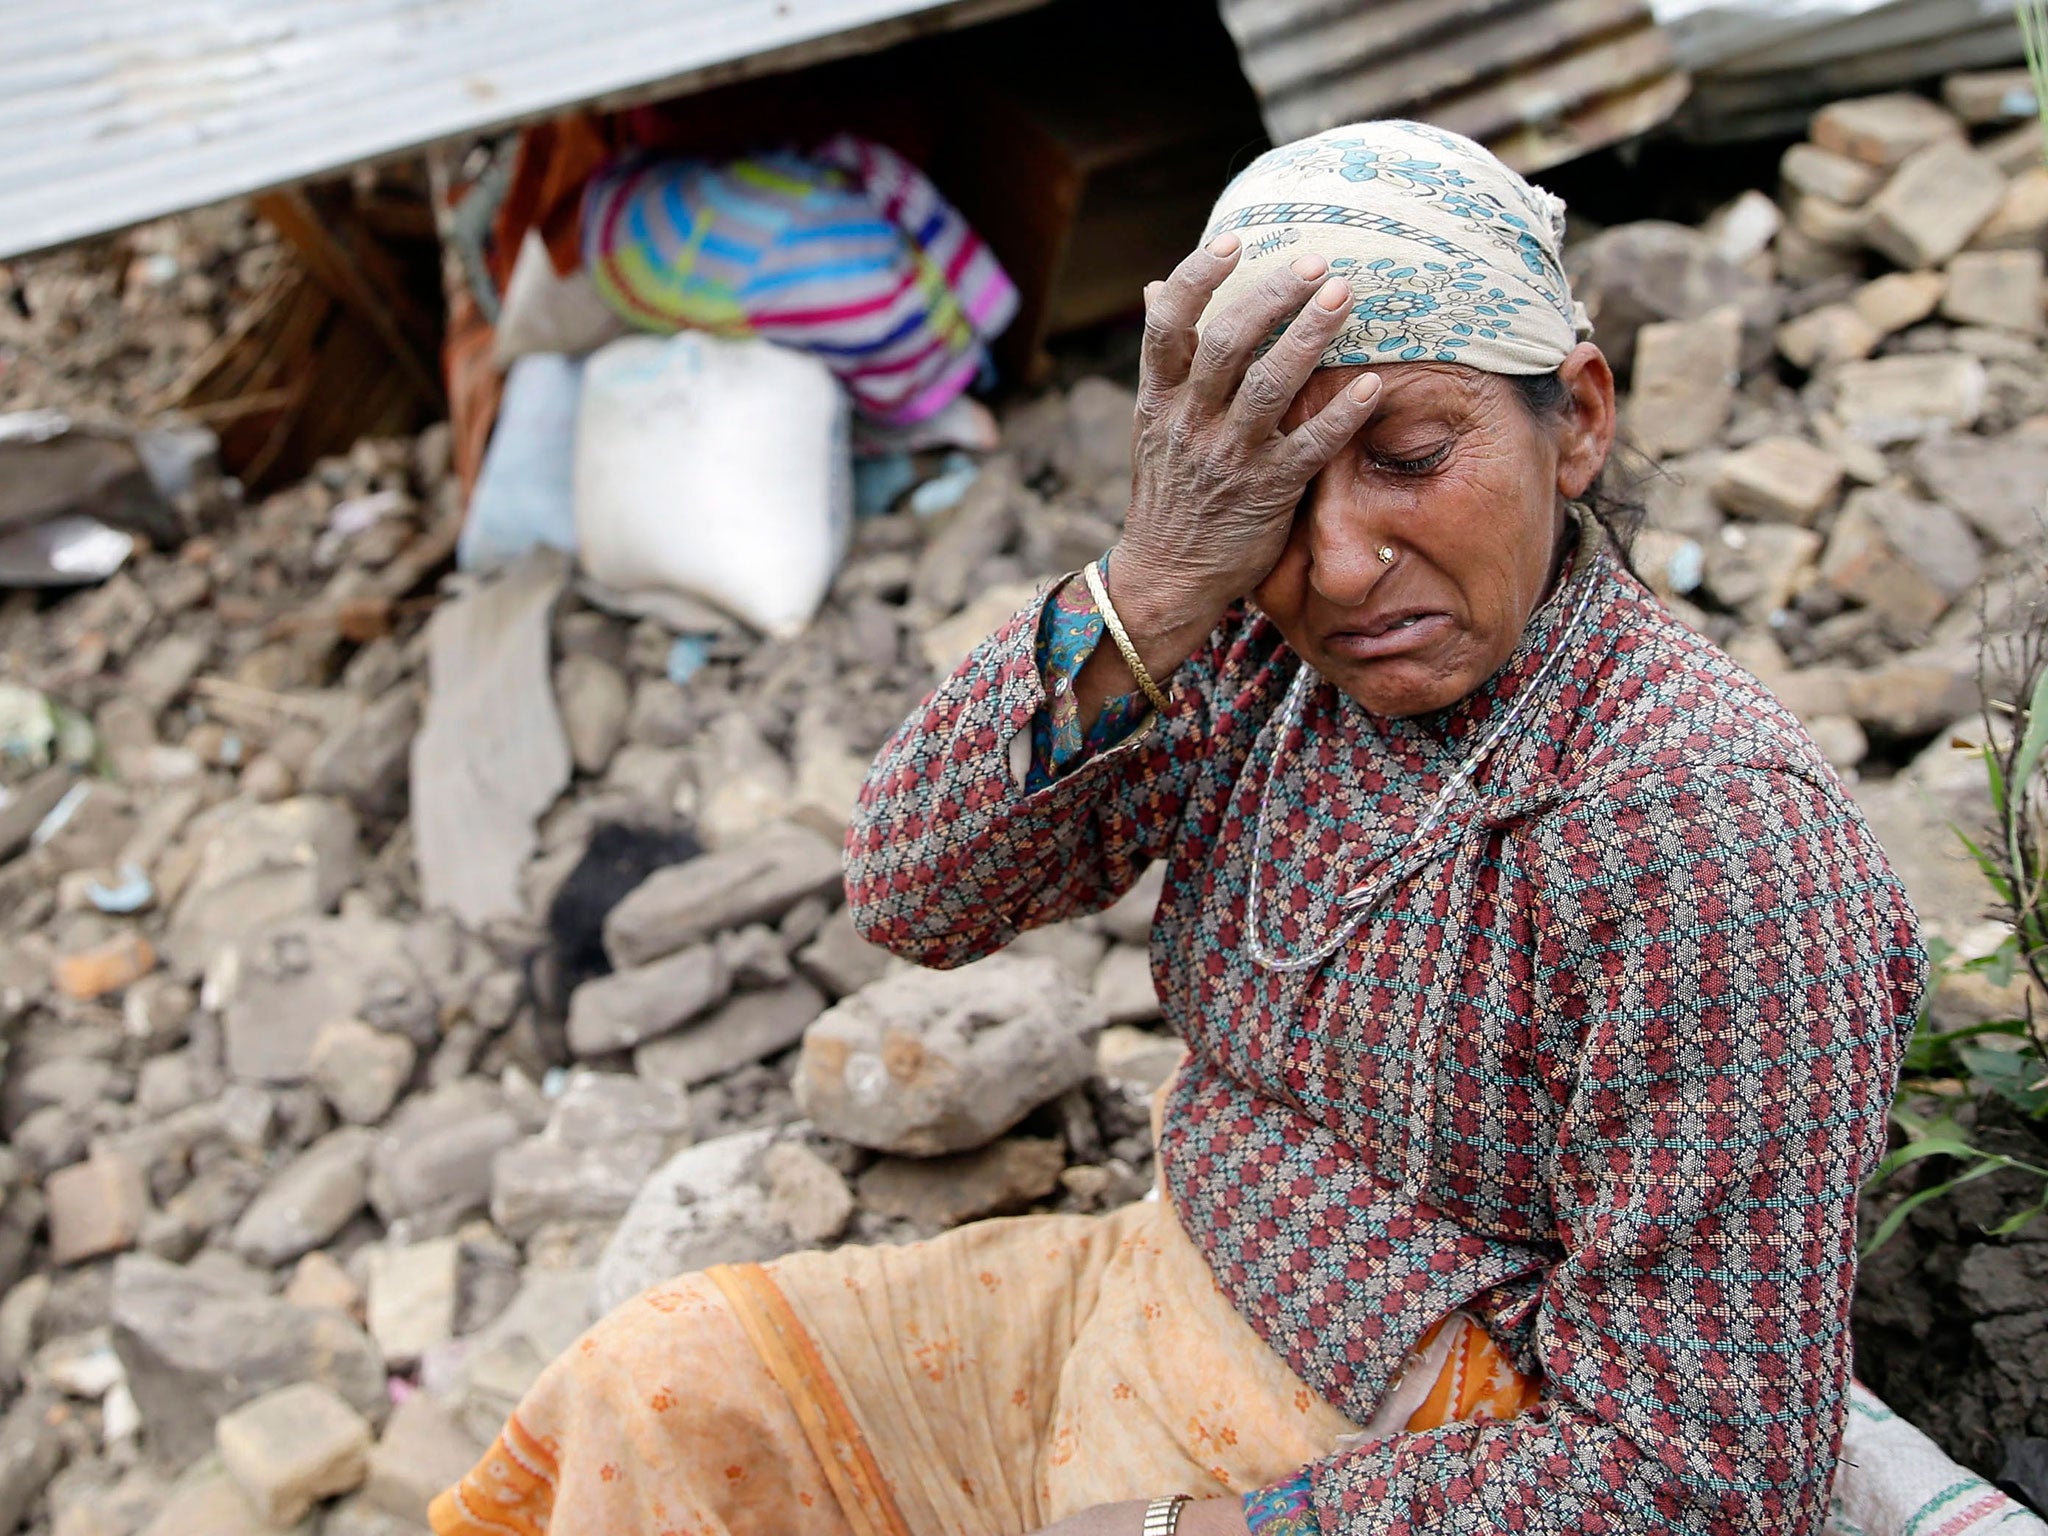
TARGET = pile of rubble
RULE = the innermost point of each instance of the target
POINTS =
(327, 1127)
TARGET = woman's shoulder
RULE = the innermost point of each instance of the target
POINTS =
(1663, 700)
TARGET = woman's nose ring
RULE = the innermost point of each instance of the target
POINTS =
(1386, 553)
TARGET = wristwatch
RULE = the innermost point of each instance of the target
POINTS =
(1162, 1516)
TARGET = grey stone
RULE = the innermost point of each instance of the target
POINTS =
(1138, 1057)
(410, 1297)
(95, 1207)
(749, 1027)
(496, 1366)
(593, 698)
(707, 1205)
(929, 1062)
(1092, 450)
(597, 1108)
(193, 1352)
(1636, 274)
(979, 527)
(1905, 397)
(1129, 919)
(1898, 299)
(293, 1447)
(1684, 382)
(619, 1011)
(309, 1202)
(1999, 484)
(360, 1070)
(31, 1451)
(1995, 1280)
(367, 761)
(1123, 986)
(207, 1502)
(423, 1452)
(755, 956)
(1882, 131)
(538, 1181)
(279, 987)
(1934, 203)
(806, 1194)
(262, 864)
(1997, 288)
(434, 1155)
(1912, 695)
(1757, 568)
(1822, 173)
(942, 1192)
(1075, 944)
(754, 881)
(1907, 558)
(839, 960)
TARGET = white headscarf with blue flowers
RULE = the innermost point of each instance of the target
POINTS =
(1451, 256)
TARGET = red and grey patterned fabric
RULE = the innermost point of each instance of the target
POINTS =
(1604, 1066)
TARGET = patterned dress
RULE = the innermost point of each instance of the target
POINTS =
(1603, 1067)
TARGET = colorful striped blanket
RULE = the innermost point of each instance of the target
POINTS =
(848, 253)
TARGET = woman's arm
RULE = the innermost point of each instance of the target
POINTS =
(1747, 970)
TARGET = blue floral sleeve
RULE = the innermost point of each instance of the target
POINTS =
(1069, 629)
(1282, 1510)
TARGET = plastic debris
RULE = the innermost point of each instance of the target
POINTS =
(131, 893)
(878, 482)
(944, 492)
(687, 656)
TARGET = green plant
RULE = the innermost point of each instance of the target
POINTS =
(2006, 1057)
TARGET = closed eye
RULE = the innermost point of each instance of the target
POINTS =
(1421, 466)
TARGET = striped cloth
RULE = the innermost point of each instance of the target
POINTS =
(848, 253)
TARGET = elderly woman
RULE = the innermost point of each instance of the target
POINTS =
(1544, 991)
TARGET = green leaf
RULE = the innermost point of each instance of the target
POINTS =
(2019, 1219)
(1938, 951)
(2035, 742)
(1991, 871)
(1918, 1198)
(1995, 775)
(1931, 1052)
(2018, 1077)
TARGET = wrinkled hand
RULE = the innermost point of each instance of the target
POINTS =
(1202, 1517)
(1215, 483)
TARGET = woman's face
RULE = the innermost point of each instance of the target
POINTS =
(1467, 487)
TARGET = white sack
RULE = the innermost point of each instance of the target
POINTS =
(714, 467)
(546, 313)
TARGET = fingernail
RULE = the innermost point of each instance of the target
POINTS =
(1334, 294)
(1223, 245)
(1306, 267)
(1364, 387)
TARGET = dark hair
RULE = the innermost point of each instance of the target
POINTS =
(1612, 497)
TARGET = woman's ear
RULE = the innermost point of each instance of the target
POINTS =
(1587, 431)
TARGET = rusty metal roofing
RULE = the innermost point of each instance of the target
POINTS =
(116, 111)
(1538, 81)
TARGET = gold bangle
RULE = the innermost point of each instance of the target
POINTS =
(1163, 1515)
(1115, 625)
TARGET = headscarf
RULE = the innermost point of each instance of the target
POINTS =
(1451, 256)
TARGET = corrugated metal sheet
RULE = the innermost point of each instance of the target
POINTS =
(116, 111)
(1538, 81)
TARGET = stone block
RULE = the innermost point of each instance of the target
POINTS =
(1832, 333)
(644, 1002)
(2021, 220)
(541, 1181)
(422, 1452)
(805, 1193)
(1898, 299)
(754, 881)
(278, 987)
(595, 703)
(1758, 568)
(1984, 96)
(1829, 224)
(1999, 485)
(1783, 478)
(434, 1155)
(839, 960)
(749, 1027)
(1743, 229)
(1123, 986)
(411, 1298)
(359, 1070)
(1910, 396)
(259, 865)
(1996, 288)
(1821, 172)
(312, 1199)
(929, 1062)
(32, 1446)
(1908, 559)
(1684, 385)
(319, 1282)
(291, 1448)
(1933, 204)
(1883, 130)
(91, 974)
(943, 1192)
(96, 1207)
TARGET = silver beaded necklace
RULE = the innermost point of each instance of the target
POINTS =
(1359, 901)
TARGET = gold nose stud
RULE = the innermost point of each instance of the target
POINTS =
(1386, 554)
